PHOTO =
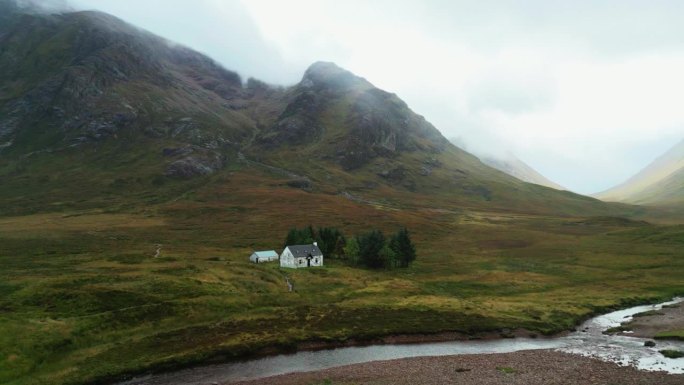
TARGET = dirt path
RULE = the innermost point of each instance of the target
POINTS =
(533, 367)
(663, 320)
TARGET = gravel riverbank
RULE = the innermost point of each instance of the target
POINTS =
(663, 320)
(533, 367)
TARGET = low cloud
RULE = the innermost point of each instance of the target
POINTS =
(44, 6)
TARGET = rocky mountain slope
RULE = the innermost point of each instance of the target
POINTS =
(95, 112)
(661, 182)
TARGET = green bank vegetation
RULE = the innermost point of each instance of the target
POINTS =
(671, 335)
(669, 353)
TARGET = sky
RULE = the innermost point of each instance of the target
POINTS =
(586, 92)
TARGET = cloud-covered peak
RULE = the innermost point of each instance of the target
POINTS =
(328, 74)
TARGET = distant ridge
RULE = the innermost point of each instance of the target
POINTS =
(660, 182)
(511, 165)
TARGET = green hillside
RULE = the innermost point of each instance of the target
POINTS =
(661, 183)
(668, 191)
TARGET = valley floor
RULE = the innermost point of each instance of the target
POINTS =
(533, 367)
(85, 298)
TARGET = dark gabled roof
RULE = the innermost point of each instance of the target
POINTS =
(303, 251)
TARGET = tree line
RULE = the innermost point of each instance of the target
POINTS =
(372, 249)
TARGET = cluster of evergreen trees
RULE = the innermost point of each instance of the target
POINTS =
(329, 239)
(371, 249)
(375, 251)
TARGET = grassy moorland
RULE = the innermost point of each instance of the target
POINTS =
(83, 298)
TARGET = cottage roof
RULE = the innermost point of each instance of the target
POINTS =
(266, 254)
(303, 251)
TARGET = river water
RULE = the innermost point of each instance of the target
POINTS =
(587, 341)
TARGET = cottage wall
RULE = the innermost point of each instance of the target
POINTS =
(317, 261)
(260, 259)
(254, 258)
(287, 259)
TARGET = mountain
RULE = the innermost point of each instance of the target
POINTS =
(97, 113)
(513, 166)
(661, 182)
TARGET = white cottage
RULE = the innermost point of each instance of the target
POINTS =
(263, 256)
(297, 256)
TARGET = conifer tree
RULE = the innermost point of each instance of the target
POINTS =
(403, 247)
(370, 245)
(351, 250)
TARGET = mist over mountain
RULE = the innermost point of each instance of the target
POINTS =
(510, 164)
(515, 167)
(661, 182)
(88, 97)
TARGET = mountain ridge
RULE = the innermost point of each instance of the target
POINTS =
(121, 106)
(660, 182)
(513, 166)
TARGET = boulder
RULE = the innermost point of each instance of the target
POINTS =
(195, 165)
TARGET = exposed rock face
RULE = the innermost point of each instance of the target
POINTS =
(326, 77)
(299, 123)
(86, 76)
(195, 165)
(381, 126)
(301, 183)
(428, 165)
(396, 174)
(321, 86)
(178, 151)
(369, 122)
(192, 161)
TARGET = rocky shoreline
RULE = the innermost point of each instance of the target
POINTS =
(532, 367)
(649, 324)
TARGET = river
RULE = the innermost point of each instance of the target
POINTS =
(588, 340)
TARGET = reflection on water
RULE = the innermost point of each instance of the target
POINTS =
(588, 341)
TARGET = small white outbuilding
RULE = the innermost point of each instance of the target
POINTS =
(263, 256)
(298, 256)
